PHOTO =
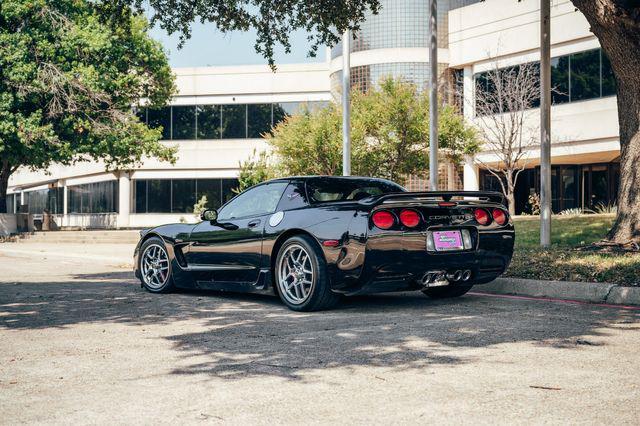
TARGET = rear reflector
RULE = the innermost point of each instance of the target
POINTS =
(500, 216)
(330, 243)
(409, 218)
(447, 204)
(482, 216)
(383, 219)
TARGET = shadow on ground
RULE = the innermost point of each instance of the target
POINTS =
(235, 335)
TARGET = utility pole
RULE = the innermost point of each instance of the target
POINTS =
(346, 103)
(433, 95)
(545, 124)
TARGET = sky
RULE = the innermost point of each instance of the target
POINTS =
(209, 47)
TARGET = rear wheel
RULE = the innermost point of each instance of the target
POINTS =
(301, 276)
(447, 292)
(155, 266)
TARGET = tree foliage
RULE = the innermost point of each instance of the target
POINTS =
(273, 20)
(389, 137)
(67, 85)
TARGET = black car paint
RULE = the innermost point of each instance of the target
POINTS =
(366, 260)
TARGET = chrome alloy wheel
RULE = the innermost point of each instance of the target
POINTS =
(295, 274)
(155, 266)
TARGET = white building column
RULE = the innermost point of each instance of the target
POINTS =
(124, 199)
(451, 176)
(471, 174)
(469, 93)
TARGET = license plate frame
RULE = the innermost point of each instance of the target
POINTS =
(447, 240)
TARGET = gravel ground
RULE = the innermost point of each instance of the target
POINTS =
(80, 342)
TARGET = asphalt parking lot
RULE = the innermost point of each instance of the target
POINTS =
(81, 342)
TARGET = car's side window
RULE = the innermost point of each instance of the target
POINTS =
(256, 201)
(294, 197)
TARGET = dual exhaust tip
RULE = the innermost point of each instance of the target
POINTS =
(435, 278)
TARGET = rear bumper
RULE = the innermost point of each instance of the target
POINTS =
(397, 261)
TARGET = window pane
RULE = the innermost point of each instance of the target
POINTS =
(569, 182)
(184, 195)
(608, 81)
(211, 189)
(140, 196)
(159, 196)
(209, 122)
(228, 185)
(160, 117)
(258, 119)
(256, 201)
(560, 79)
(585, 75)
(141, 113)
(234, 120)
(11, 203)
(184, 122)
(99, 197)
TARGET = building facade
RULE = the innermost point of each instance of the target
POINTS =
(220, 113)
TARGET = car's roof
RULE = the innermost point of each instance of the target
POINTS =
(308, 177)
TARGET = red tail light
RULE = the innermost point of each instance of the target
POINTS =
(500, 216)
(383, 219)
(409, 218)
(482, 216)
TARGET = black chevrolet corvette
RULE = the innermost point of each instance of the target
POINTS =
(312, 239)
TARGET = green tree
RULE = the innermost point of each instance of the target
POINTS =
(273, 20)
(389, 136)
(67, 86)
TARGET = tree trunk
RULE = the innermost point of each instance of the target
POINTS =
(616, 23)
(5, 172)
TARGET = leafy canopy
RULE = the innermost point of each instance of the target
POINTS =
(389, 138)
(67, 85)
(273, 20)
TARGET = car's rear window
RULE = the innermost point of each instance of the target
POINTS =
(325, 190)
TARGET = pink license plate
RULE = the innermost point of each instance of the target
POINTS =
(447, 240)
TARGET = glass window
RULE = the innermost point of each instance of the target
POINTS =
(228, 189)
(560, 80)
(11, 203)
(569, 182)
(321, 190)
(258, 119)
(98, 197)
(294, 197)
(160, 118)
(208, 121)
(184, 122)
(259, 200)
(141, 113)
(159, 196)
(183, 195)
(608, 80)
(585, 75)
(234, 121)
(211, 188)
(140, 196)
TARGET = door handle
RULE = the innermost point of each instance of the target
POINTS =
(253, 223)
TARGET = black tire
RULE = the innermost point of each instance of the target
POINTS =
(447, 292)
(165, 283)
(320, 295)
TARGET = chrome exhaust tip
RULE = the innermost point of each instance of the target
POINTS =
(466, 275)
(434, 279)
(457, 275)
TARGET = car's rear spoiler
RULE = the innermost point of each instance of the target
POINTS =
(486, 196)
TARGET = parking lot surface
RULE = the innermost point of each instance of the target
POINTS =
(81, 342)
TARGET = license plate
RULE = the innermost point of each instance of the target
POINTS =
(447, 240)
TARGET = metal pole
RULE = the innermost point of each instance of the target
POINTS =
(433, 95)
(545, 124)
(346, 103)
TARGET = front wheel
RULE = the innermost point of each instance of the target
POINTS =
(301, 276)
(155, 266)
(447, 292)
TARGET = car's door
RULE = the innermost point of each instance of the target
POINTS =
(230, 249)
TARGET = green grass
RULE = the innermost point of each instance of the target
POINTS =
(562, 261)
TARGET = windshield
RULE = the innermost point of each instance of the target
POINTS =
(324, 190)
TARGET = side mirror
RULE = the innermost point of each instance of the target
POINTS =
(209, 215)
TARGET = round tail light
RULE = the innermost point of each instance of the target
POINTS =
(409, 218)
(482, 216)
(500, 216)
(383, 219)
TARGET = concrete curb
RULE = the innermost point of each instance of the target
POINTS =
(567, 290)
